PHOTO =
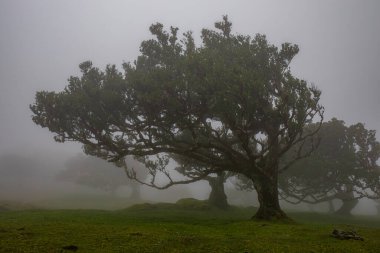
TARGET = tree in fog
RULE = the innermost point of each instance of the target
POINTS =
(96, 173)
(24, 177)
(233, 95)
(378, 206)
(343, 167)
(19, 166)
(18, 170)
(193, 169)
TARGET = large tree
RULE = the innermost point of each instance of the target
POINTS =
(233, 94)
(343, 167)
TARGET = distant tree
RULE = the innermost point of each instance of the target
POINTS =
(97, 173)
(234, 95)
(192, 169)
(343, 167)
(218, 195)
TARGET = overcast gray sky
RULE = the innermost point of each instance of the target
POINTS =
(43, 41)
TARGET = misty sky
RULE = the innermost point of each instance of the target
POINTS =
(43, 41)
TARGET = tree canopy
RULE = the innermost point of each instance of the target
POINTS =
(233, 97)
(344, 167)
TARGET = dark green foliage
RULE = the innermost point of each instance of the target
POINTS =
(230, 104)
(343, 167)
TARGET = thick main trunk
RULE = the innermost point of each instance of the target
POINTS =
(347, 206)
(265, 181)
(267, 194)
(349, 201)
(217, 196)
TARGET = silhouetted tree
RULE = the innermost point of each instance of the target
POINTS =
(234, 95)
(343, 167)
(218, 195)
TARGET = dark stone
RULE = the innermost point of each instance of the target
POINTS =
(346, 235)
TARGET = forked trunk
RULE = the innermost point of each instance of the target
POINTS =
(217, 196)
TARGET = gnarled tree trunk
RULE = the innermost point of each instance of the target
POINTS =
(265, 181)
(218, 196)
(267, 194)
(347, 206)
(349, 201)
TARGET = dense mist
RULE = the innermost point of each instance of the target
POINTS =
(42, 43)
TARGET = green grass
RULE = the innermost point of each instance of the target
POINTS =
(184, 227)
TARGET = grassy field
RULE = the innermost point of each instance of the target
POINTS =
(184, 227)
